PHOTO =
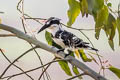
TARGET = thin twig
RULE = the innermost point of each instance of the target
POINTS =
(1, 12)
(26, 14)
(7, 35)
(45, 69)
(76, 76)
(119, 10)
(23, 23)
(80, 29)
(40, 61)
(37, 18)
(17, 60)
(111, 10)
(87, 39)
(76, 28)
(53, 50)
(93, 47)
(15, 65)
(30, 43)
(34, 68)
(23, 26)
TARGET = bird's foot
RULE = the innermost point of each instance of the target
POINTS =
(60, 50)
(66, 55)
(94, 49)
(69, 53)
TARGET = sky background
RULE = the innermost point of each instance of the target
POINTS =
(44, 9)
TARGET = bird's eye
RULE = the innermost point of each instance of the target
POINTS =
(48, 22)
(51, 22)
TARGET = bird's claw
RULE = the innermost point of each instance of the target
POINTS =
(60, 50)
(69, 53)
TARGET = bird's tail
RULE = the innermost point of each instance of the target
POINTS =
(85, 45)
(91, 48)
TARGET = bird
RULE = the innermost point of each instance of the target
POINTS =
(64, 38)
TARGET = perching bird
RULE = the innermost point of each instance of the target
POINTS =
(64, 38)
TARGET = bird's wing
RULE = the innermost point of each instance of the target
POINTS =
(72, 41)
(68, 38)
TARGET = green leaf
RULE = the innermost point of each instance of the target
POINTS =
(108, 27)
(94, 6)
(50, 41)
(65, 67)
(112, 34)
(71, 53)
(102, 16)
(95, 54)
(101, 20)
(93, 59)
(98, 4)
(75, 70)
(118, 28)
(111, 43)
(84, 57)
(0, 20)
(48, 38)
(116, 71)
(63, 64)
(84, 7)
(73, 12)
(109, 5)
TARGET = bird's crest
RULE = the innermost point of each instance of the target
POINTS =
(53, 20)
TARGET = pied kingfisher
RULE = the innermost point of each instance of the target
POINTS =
(62, 37)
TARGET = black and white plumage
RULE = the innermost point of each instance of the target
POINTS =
(62, 37)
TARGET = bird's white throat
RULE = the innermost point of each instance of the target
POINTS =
(54, 28)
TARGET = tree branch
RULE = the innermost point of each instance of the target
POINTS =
(15, 65)
(18, 5)
(45, 69)
(34, 68)
(20, 8)
(16, 60)
(53, 50)
(76, 76)
(1, 12)
(7, 35)
(80, 30)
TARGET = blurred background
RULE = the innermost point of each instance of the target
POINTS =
(13, 47)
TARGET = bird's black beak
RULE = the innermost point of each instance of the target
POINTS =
(43, 28)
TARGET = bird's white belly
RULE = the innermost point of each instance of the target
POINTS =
(59, 42)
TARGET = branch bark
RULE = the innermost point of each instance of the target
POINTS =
(53, 50)
(7, 35)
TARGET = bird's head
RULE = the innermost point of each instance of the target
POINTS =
(51, 23)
